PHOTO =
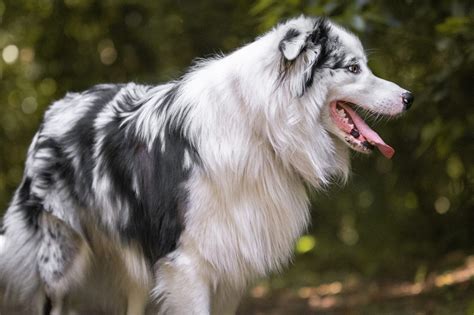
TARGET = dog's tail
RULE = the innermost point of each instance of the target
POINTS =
(19, 246)
(2, 238)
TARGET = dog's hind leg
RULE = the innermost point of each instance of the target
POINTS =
(42, 305)
(137, 283)
(63, 257)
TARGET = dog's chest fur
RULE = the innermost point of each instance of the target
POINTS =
(245, 226)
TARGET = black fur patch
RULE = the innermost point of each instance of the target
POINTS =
(83, 136)
(155, 220)
(28, 204)
(55, 166)
(292, 33)
(48, 306)
(148, 180)
(319, 37)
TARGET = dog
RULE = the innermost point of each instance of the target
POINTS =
(190, 191)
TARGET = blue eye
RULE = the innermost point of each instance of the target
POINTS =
(355, 68)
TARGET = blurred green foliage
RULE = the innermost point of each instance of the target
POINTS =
(396, 218)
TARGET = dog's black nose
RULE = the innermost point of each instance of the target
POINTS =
(408, 99)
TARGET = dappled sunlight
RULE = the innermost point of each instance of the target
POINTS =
(322, 298)
(336, 295)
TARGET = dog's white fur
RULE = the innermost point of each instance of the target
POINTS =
(260, 138)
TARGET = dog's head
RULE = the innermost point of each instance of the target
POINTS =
(324, 80)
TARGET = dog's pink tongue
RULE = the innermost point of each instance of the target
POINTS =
(370, 135)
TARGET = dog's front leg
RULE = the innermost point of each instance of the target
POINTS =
(226, 300)
(136, 301)
(181, 286)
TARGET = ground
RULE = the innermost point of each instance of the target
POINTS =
(448, 292)
(445, 293)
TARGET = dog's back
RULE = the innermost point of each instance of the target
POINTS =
(75, 196)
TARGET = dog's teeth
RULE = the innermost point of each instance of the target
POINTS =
(341, 113)
(355, 133)
(367, 145)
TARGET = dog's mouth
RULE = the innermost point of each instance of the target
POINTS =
(356, 132)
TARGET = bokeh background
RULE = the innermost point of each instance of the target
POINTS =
(398, 239)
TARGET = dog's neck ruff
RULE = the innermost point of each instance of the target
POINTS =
(255, 155)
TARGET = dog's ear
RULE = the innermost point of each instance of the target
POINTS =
(292, 44)
(319, 35)
(294, 41)
(317, 43)
(304, 52)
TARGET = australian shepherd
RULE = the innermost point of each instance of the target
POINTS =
(189, 191)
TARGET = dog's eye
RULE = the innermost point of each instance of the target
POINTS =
(355, 68)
